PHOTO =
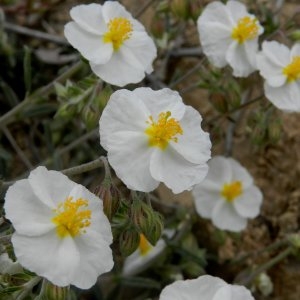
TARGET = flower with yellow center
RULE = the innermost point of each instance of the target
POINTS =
(116, 45)
(229, 36)
(152, 137)
(163, 131)
(60, 228)
(280, 67)
(119, 30)
(227, 195)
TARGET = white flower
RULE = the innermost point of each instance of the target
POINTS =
(61, 233)
(227, 195)
(205, 287)
(280, 67)
(229, 35)
(152, 137)
(140, 259)
(117, 46)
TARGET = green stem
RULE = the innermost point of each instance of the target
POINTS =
(92, 165)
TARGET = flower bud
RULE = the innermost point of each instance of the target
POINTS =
(129, 241)
(295, 35)
(219, 102)
(180, 8)
(50, 291)
(153, 234)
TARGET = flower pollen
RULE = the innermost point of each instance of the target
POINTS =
(119, 30)
(71, 218)
(163, 131)
(144, 245)
(292, 70)
(232, 190)
(246, 29)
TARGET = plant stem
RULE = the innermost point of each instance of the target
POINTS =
(10, 116)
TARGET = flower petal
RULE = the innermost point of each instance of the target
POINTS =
(28, 214)
(88, 44)
(205, 285)
(50, 187)
(248, 204)
(295, 51)
(285, 97)
(95, 258)
(206, 198)
(48, 256)
(219, 173)
(118, 71)
(169, 100)
(237, 58)
(125, 111)
(237, 10)
(112, 10)
(141, 49)
(174, 171)
(239, 173)
(89, 18)
(225, 217)
(131, 164)
(194, 144)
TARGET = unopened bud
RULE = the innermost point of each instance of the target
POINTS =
(295, 35)
(219, 102)
(50, 291)
(129, 241)
(90, 118)
(180, 8)
(154, 234)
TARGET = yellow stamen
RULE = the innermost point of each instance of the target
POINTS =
(232, 190)
(71, 218)
(292, 70)
(119, 30)
(163, 131)
(144, 245)
(246, 29)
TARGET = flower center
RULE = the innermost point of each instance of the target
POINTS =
(119, 30)
(71, 218)
(144, 245)
(292, 70)
(246, 29)
(232, 190)
(163, 131)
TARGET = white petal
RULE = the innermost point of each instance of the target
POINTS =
(215, 40)
(95, 258)
(174, 171)
(219, 173)
(276, 53)
(240, 293)
(125, 111)
(129, 155)
(237, 58)
(248, 204)
(28, 214)
(251, 49)
(113, 9)
(239, 173)
(224, 293)
(142, 48)
(206, 199)
(118, 71)
(295, 51)
(205, 285)
(48, 255)
(237, 10)
(225, 217)
(169, 100)
(88, 44)
(194, 144)
(215, 13)
(89, 17)
(285, 97)
(51, 187)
